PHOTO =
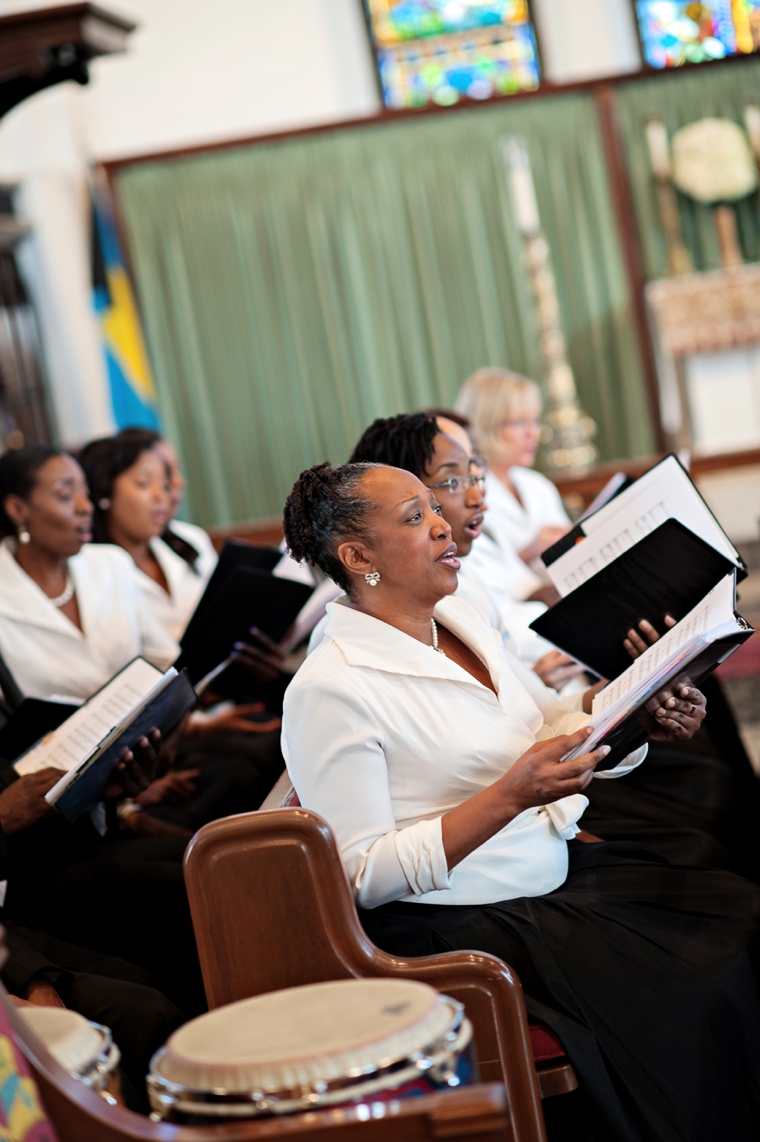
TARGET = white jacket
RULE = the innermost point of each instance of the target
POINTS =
(513, 524)
(174, 609)
(43, 649)
(382, 736)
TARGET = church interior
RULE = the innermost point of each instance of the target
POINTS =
(379, 570)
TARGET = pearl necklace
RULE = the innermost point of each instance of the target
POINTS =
(67, 593)
(434, 629)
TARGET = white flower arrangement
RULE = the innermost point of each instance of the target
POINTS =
(713, 161)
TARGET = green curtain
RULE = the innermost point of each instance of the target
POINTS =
(680, 98)
(294, 291)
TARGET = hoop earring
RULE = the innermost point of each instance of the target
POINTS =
(373, 578)
(24, 536)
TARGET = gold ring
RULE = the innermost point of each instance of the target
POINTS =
(693, 709)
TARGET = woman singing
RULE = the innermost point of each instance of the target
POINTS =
(437, 760)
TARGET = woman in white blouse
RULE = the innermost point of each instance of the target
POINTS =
(526, 514)
(70, 612)
(437, 760)
(129, 483)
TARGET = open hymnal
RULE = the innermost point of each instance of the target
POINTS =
(622, 713)
(87, 746)
(665, 492)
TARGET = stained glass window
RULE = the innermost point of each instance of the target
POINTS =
(677, 31)
(439, 51)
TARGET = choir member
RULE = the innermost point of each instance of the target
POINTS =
(131, 490)
(526, 513)
(436, 757)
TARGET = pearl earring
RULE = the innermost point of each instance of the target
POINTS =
(24, 536)
(104, 504)
(373, 578)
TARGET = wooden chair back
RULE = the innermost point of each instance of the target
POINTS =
(272, 908)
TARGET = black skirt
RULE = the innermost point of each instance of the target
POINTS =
(645, 970)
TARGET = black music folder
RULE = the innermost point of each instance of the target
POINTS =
(665, 491)
(235, 553)
(163, 709)
(668, 572)
(250, 598)
(623, 712)
(33, 719)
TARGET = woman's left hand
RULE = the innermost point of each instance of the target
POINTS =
(679, 714)
(135, 771)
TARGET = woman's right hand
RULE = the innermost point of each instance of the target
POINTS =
(556, 669)
(537, 778)
(540, 776)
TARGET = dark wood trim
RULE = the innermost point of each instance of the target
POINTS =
(605, 98)
(23, 18)
(723, 460)
(385, 116)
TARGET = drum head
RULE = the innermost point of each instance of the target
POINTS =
(306, 1035)
(69, 1037)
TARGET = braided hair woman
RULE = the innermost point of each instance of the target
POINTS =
(437, 759)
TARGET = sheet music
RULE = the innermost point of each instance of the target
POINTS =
(711, 619)
(82, 733)
(664, 492)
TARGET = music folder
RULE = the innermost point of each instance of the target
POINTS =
(235, 553)
(33, 719)
(667, 572)
(163, 708)
(251, 598)
(622, 713)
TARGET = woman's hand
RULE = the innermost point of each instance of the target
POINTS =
(236, 720)
(555, 669)
(591, 693)
(263, 661)
(546, 537)
(537, 778)
(636, 645)
(540, 776)
(23, 802)
(678, 717)
(135, 771)
(175, 788)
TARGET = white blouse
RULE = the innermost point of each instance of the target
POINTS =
(515, 524)
(174, 609)
(382, 736)
(47, 654)
(491, 570)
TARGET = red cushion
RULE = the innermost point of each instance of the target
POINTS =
(545, 1043)
(291, 800)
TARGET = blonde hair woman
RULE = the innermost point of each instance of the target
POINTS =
(525, 509)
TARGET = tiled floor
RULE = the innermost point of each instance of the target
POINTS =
(744, 693)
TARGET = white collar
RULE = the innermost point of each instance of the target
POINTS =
(23, 600)
(369, 642)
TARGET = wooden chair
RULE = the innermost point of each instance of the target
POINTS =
(272, 908)
(78, 1114)
(555, 1074)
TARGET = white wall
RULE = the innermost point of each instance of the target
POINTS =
(200, 71)
(586, 39)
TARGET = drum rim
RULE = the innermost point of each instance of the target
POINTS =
(105, 1062)
(166, 1095)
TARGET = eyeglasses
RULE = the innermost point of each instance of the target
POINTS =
(457, 484)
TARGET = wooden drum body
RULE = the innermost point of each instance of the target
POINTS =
(307, 1048)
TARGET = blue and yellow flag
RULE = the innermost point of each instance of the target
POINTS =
(133, 393)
